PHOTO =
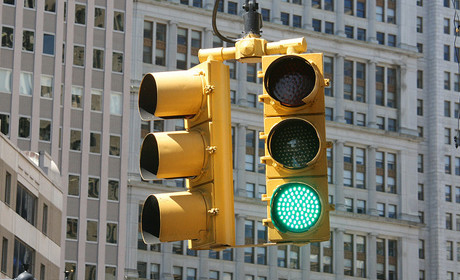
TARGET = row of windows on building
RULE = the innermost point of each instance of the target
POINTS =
(90, 271)
(94, 187)
(47, 91)
(288, 256)
(91, 231)
(26, 205)
(48, 48)
(449, 250)
(447, 164)
(80, 13)
(22, 254)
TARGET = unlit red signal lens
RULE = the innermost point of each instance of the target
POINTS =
(289, 79)
(295, 207)
(294, 143)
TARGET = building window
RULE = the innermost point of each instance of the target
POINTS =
(249, 239)
(118, 21)
(265, 14)
(4, 124)
(3, 266)
(26, 83)
(5, 80)
(93, 187)
(117, 62)
(96, 100)
(449, 221)
(23, 254)
(420, 165)
(72, 228)
(392, 211)
(232, 8)
(26, 204)
(349, 31)
(316, 24)
(446, 52)
(98, 59)
(177, 272)
(116, 103)
(447, 165)
(114, 145)
(113, 190)
(282, 256)
(447, 80)
(28, 40)
(360, 119)
(296, 21)
(112, 233)
(182, 43)
(349, 117)
(380, 37)
(419, 25)
(381, 209)
(45, 130)
(315, 256)
(421, 249)
(449, 251)
(75, 140)
(78, 55)
(348, 203)
(80, 14)
(250, 150)
(24, 127)
(348, 7)
(74, 185)
(361, 34)
(348, 254)
(421, 192)
(284, 18)
(46, 86)
(91, 231)
(361, 206)
(7, 37)
(154, 271)
(361, 8)
(99, 17)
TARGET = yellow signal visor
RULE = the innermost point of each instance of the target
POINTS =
(173, 217)
(172, 155)
(171, 94)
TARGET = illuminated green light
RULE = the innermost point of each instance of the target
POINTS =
(295, 207)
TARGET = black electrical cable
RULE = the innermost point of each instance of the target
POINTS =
(214, 24)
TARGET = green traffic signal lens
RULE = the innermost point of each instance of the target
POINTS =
(295, 207)
(289, 79)
(294, 143)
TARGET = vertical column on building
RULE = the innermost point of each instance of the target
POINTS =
(406, 102)
(203, 269)
(406, 186)
(172, 43)
(339, 13)
(305, 261)
(371, 21)
(133, 229)
(273, 262)
(239, 252)
(276, 16)
(338, 91)
(338, 258)
(241, 93)
(240, 184)
(307, 15)
(406, 12)
(372, 256)
(371, 184)
(339, 196)
(208, 38)
(371, 121)
(408, 246)
(167, 262)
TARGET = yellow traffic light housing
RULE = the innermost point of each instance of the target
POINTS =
(204, 214)
(295, 148)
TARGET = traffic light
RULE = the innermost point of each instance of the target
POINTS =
(295, 148)
(204, 213)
